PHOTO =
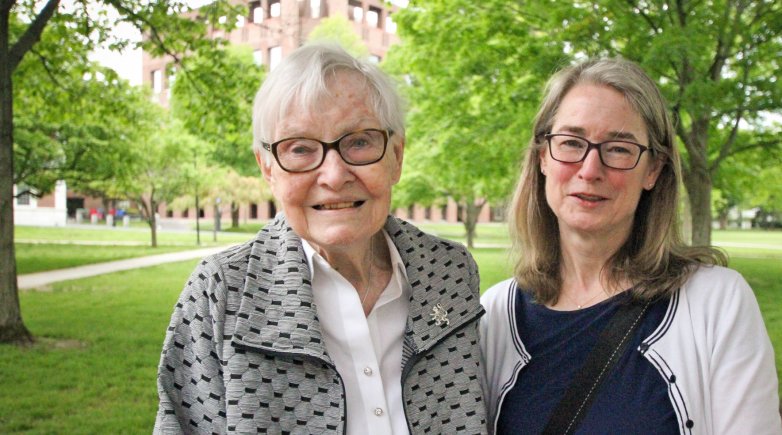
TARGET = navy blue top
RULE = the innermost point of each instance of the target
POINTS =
(633, 399)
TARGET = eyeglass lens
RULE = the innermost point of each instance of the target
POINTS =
(359, 148)
(614, 154)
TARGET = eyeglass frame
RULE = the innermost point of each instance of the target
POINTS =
(327, 146)
(597, 146)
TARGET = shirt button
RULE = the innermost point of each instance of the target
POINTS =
(378, 412)
(368, 371)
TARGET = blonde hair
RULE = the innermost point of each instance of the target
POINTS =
(654, 257)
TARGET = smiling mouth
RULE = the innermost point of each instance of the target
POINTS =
(338, 205)
(589, 198)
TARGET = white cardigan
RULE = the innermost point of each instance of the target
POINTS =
(711, 347)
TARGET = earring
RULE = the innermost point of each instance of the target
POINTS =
(651, 186)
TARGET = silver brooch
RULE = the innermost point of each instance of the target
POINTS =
(440, 316)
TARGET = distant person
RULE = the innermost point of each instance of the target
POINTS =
(336, 317)
(611, 324)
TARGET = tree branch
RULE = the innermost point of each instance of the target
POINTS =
(646, 17)
(142, 21)
(32, 34)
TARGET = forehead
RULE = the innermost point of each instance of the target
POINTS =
(344, 102)
(598, 109)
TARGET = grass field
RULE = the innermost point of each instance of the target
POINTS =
(93, 369)
(47, 256)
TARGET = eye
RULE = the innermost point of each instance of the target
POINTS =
(572, 143)
(620, 148)
(298, 148)
(358, 141)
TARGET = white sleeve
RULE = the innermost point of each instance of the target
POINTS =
(500, 348)
(744, 385)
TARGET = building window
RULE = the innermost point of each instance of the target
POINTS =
(256, 12)
(355, 11)
(258, 57)
(315, 8)
(186, 213)
(240, 21)
(171, 80)
(373, 58)
(157, 81)
(373, 16)
(275, 56)
(23, 196)
(274, 9)
(390, 25)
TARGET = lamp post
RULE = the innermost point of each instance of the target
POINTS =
(217, 218)
(197, 210)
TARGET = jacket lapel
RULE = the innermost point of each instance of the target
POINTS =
(277, 311)
(439, 276)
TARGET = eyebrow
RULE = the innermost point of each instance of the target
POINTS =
(620, 135)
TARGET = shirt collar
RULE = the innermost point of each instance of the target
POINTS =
(316, 263)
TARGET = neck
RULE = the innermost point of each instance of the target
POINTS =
(584, 278)
(367, 266)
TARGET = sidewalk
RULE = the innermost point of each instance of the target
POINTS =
(38, 279)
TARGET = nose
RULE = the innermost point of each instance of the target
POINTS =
(334, 172)
(592, 167)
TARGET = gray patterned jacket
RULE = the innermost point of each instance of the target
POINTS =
(244, 351)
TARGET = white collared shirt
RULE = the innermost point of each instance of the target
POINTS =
(367, 350)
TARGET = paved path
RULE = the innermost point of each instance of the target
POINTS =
(38, 279)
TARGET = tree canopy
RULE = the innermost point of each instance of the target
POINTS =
(475, 71)
(58, 37)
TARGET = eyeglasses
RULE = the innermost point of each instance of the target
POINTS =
(616, 154)
(301, 154)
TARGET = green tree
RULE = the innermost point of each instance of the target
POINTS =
(161, 169)
(213, 98)
(717, 63)
(472, 73)
(339, 30)
(87, 24)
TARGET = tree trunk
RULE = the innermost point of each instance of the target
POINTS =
(234, 215)
(698, 186)
(151, 215)
(12, 329)
(470, 219)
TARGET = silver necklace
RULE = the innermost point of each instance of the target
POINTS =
(581, 305)
(369, 274)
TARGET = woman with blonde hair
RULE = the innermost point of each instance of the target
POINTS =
(611, 323)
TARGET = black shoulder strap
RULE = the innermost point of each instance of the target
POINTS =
(609, 348)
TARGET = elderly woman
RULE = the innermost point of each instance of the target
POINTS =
(336, 317)
(612, 324)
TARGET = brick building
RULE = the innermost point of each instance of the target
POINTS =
(274, 28)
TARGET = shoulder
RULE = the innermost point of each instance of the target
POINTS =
(231, 266)
(498, 297)
(716, 284)
(409, 239)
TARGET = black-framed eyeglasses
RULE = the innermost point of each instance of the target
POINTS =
(616, 154)
(302, 154)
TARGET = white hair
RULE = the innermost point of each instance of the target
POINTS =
(302, 78)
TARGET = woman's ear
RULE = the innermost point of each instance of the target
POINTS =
(264, 165)
(654, 172)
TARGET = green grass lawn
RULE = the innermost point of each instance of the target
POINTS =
(123, 235)
(100, 378)
(45, 256)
